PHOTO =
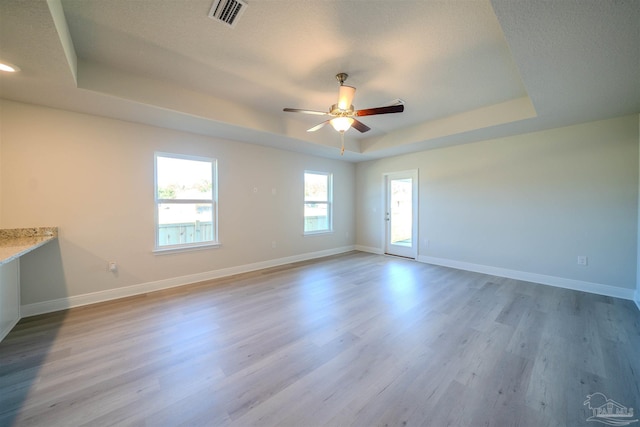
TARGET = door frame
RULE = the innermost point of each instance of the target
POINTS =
(413, 174)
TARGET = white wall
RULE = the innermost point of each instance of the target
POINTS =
(637, 294)
(93, 178)
(524, 206)
(1, 133)
(530, 203)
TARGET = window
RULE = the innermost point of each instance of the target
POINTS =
(186, 201)
(317, 202)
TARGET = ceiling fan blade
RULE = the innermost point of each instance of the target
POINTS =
(359, 126)
(380, 110)
(297, 110)
(316, 127)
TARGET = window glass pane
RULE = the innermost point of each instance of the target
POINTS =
(180, 223)
(316, 187)
(186, 201)
(316, 217)
(184, 179)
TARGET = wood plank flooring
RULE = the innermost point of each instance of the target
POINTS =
(356, 339)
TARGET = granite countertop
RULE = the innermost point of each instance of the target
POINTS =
(16, 242)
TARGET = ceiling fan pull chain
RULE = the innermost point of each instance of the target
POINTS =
(342, 149)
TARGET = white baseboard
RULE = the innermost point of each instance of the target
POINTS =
(560, 282)
(369, 249)
(143, 288)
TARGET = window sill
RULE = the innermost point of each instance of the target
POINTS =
(190, 248)
(317, 233)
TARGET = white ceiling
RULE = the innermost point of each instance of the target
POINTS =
(466, 70)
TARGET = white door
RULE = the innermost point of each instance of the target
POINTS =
(401, 214)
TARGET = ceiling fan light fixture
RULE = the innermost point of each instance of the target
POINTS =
(345, 97)
(341, 124)
(9, 68)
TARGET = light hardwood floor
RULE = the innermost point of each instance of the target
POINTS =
(356, 339)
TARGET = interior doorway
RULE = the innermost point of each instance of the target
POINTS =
(401, 214)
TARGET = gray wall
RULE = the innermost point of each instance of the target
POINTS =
(529, 203)
(93, 178)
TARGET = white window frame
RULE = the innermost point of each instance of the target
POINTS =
(214, 204)
(328, 202)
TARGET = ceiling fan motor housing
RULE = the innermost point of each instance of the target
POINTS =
(339, 112)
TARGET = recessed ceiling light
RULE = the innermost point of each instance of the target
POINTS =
(9, 68)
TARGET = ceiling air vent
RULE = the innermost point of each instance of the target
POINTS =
(227, 11)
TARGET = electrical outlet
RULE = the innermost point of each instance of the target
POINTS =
(113, 267)
(582, 260)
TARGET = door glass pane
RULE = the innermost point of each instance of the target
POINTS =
(401, 211)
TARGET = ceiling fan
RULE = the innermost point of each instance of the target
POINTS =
(343, 115)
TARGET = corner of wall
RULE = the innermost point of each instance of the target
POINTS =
(369, 249)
